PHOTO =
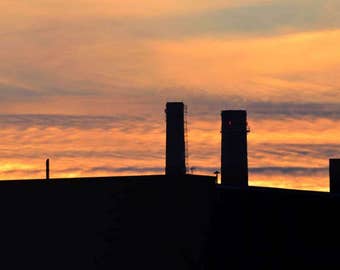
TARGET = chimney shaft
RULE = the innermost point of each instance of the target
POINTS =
(234, 157)
(175, 140)
(334, 174)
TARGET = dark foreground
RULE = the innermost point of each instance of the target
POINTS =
(158, 222)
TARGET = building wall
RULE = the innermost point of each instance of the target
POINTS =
(158, 222)
(152, 222)
(260, 228)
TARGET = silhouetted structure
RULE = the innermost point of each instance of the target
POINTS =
(234, 158)
(138, 222)
(175, 139)
(173, 221)
(160, 222)
(47, 169)
(334, 175)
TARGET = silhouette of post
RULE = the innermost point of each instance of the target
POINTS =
(216, 174)
(47, 169)
(175, 139)
(334, 175)
(234, 156)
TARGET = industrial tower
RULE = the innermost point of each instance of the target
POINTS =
(175, 139)
(234, 157)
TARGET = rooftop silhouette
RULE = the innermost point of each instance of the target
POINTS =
(171, 221)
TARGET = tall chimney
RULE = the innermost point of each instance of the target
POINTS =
(175, 140)
(234, 157)
(334, 175)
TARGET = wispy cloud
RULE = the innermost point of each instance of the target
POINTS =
(289, 171)
(137, 170)
(317, 150)
(85, 83)
(258, 18)
(24, 121)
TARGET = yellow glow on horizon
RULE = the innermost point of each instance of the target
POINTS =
(136, 149)
(314, 183)
(9, 167)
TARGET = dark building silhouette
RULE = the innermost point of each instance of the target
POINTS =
(334, 175)
(175, 139)
(121, 223)
(174, 221)
(160, 222)
(234, 158)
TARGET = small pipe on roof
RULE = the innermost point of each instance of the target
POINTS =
(48, 169)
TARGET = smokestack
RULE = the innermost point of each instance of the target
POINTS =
(334, 175)
(175, 140)
(234, 158)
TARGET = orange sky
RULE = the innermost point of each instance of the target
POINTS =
(117, 63)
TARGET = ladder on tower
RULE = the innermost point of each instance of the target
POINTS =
(186, 141)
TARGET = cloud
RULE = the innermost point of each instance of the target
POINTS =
(90, 66)
(25, 121)
(289, 171)
(295, 67)
(85, 83)
(128, 8)
(8, 92)
(123, 145)
(127, 155)
(205, 106)
(262, 18)
(128, 169)
(154, 19)
(294, 110)
(317, 150)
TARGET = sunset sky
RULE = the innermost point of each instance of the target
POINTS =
(85, 82)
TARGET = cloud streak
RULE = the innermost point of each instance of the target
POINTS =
(25, 121)
(261, 18)
(290, 171)
(84, 82)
